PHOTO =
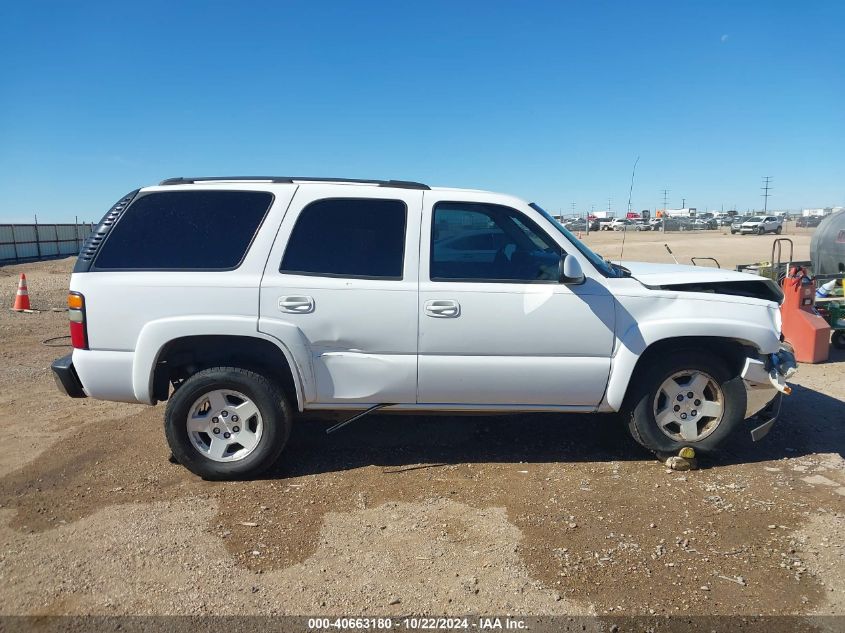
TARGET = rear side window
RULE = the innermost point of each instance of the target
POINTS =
(361, 237)
(185, 230)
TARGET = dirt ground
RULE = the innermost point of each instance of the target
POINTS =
(534, 514)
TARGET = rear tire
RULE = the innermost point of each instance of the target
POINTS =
(838, 339)
(660, 397)
(205, 409)
(779, 230)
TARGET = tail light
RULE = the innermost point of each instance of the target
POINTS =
(76, 313)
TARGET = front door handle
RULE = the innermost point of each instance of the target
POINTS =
(443, 308)
(296, 304)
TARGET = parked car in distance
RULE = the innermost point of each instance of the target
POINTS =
(808, 221)
(675, 224)
(643, 225)
(762, 224)
(476, 246)
(605, 224)
(577, 224)
(349, 296)
(621, 224)
(736, 225)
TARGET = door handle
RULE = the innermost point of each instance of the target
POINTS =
(443, 308)
(296, 304)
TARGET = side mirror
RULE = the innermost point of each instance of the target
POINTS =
(570, 271)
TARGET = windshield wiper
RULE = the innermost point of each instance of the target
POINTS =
(621, 270)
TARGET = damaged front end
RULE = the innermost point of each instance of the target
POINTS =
(765, 385)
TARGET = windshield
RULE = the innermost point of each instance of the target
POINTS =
(604, 267)
(754, 220)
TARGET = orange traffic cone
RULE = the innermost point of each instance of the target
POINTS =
(22, 298)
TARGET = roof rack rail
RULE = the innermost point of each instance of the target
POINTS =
(399, 184)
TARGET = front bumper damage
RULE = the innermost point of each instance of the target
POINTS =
(765, 385)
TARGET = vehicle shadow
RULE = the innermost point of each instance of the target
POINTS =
(811, 422)
(399, 441)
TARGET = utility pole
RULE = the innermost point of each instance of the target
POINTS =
(665, 198)
(766, 188)
(609, 207)
(683, 203)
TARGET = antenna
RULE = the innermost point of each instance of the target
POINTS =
(630, 191)
(766, 188)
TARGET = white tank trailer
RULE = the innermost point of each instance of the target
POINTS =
(827, 249)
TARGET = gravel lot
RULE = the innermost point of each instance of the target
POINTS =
(539, 514)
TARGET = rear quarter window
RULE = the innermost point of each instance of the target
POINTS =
(185, 230)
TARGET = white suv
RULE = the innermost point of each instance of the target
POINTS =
(241, 301)
(761, 225)
(622, 224)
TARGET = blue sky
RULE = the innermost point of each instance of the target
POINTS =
(551, 101)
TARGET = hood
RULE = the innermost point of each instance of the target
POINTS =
(660, 274)
(704, 279)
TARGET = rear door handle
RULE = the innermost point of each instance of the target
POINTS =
(443, 308)
(296, 304)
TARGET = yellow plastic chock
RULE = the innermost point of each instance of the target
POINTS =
(687, 452)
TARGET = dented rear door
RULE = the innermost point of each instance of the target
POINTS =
(341, 282)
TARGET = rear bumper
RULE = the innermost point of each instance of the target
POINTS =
(66, 377)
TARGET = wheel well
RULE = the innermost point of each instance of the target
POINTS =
(181, 358)
(731, 351)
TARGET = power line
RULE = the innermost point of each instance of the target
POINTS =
(665, 215)
(766, 188)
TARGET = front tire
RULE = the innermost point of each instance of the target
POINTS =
(838, 339)
(688, 398)
(227, 423)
